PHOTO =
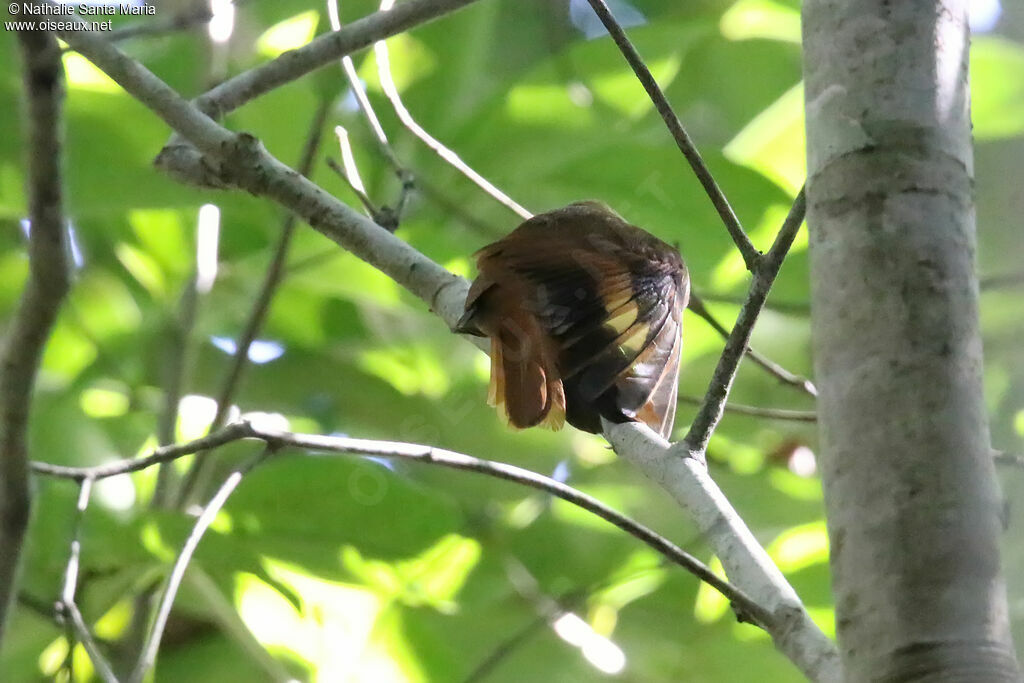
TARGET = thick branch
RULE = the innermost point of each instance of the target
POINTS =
(48, 282)
(745, 561)
(914, 513)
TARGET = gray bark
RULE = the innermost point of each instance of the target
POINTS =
(909, 484)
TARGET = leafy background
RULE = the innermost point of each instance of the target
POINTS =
(342, 568)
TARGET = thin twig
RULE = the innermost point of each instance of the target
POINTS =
(67, 608)
(247, 163)
(1009, 459)
(67, 593)
(1006, 280)
(232, 432)
(386, 217)
(794, 308)
(732, 223)
(754, 411)
(444, 458)
(321, 51)
(152, 644)
(184, 162)
(47, 284)
(99, 663)
(567, 601)
(350, 174)
(175, 363)
(548, 609)
(260, 306)
(41, 608)
(387, 83)
(272, 278)
(354, 82)
(696, 305)
(710, 413)
(198, 14)
(451, 207)
(505, 648)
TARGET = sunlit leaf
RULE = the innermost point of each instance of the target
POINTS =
(795, 486)
(289, 34)
(997, 89)
(51, 658)
(153, 541)
(231, 621)
(641, 574)
(104, 305)
(165, 236)
(437, 574)
(68, 352)
(335, 632)
(710, 605)
(389, 656)
(615, 496)
(773, 142)
(113, 624)
(800, 547)
(13, 271)
(761, 19)
(107, 400)
(622, 91)
(825, 618)
(82, 74)
(195, 415)
(142, 267)
(548, 104)
(410, 61)
(410, 370)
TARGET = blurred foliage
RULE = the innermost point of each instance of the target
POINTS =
(342, 568)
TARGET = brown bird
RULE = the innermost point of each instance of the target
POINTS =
(584, 314)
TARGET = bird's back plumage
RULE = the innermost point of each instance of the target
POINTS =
(584, 315)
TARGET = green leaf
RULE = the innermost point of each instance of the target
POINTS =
(748, 19)
(289, 34)
(997, 90)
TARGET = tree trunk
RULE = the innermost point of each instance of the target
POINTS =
(909, 483)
